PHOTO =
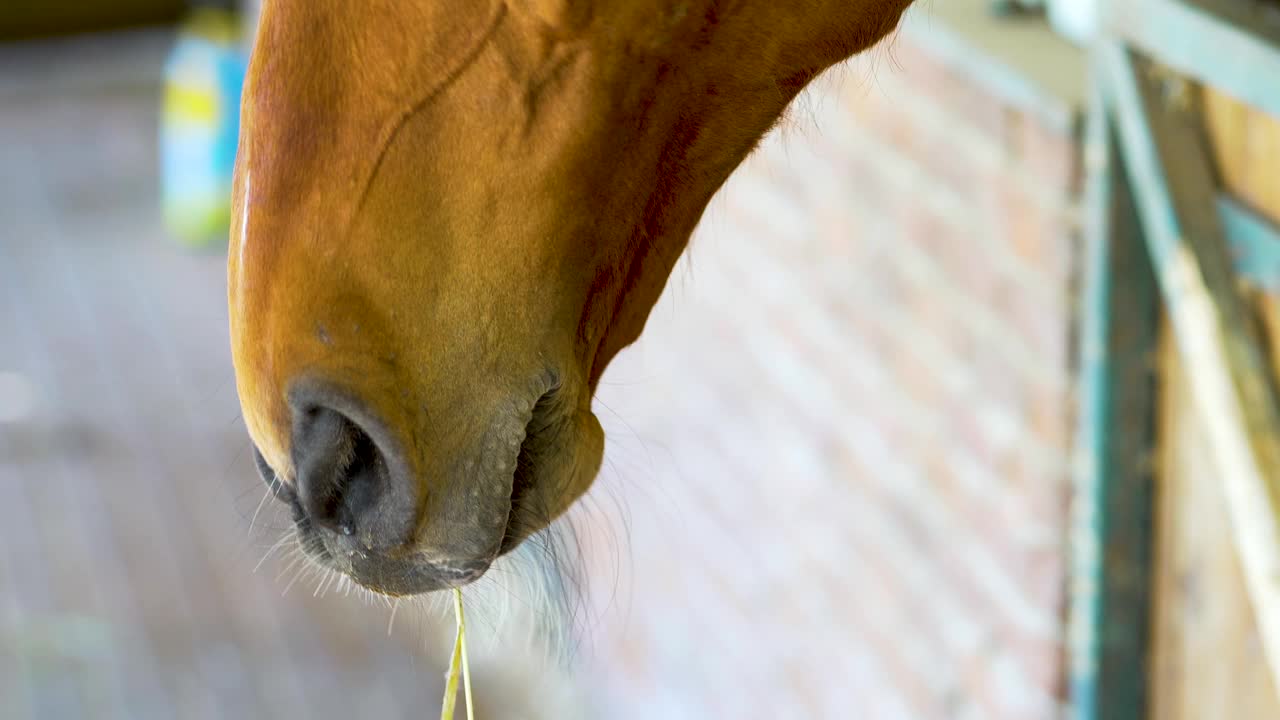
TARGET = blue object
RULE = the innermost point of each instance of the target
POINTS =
(200, 127)
(1254, 242)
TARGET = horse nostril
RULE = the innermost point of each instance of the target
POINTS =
(343, 482)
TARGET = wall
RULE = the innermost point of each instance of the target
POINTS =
(838, 465)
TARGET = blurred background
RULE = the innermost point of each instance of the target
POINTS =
(839, 480)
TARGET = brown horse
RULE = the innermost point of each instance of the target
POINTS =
(451, 215)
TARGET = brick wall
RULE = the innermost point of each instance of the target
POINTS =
(838, 466)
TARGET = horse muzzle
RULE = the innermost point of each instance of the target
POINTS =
(361, 508)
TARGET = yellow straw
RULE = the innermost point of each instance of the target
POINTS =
(459, 658)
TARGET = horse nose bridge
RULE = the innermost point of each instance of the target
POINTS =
(304, 326)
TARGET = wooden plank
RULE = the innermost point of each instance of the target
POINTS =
(1246, 150)
(1207, 661)
(1234, 52)
(1233, 390)
(1111, 515)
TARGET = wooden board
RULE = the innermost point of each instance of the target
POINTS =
(1246, 148)
(1207, 660)
(1245, 143)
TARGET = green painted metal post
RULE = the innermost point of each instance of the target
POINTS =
(1111, 524)
(1234, 50)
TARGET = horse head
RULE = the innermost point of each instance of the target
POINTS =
(450, 215)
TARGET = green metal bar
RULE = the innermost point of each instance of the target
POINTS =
(1254, 243)
(1111, 513)
(1234, 52)
(1258, 17)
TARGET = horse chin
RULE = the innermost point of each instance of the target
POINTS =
(396, 578)
(558, 461)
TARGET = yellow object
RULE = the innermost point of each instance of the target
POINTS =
(459, 659)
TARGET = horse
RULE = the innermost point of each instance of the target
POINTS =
(449, 217)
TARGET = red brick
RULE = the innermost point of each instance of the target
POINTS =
(1042, 239)
(958, 96)
(1048, 156)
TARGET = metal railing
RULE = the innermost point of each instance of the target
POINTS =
(1153, 193)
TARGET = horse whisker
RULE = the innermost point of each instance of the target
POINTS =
(276, 546)
(391, 623)
(261, 503)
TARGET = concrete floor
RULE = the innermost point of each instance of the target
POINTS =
(126, 486)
